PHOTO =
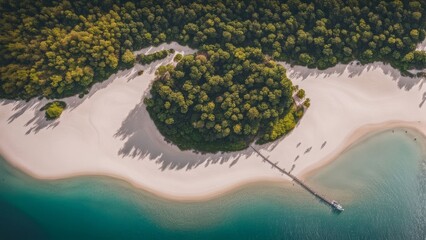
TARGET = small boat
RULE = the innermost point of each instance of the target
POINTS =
(337, 206)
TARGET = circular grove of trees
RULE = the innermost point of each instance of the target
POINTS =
(220, 99)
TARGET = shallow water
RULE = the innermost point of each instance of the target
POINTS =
(380, 182)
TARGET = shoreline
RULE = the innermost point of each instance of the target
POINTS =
(364, 133)
(158, 195)
(357, 137)
(109, 132)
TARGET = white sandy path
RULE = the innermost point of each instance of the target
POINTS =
(110, 133)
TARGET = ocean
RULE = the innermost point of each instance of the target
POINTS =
(381, 183)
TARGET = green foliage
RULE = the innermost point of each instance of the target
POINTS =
(279, 127)
(54, 109)
(300, 94)
(414, 58)
(298, 114)
(147, 59)
(220, 100)
(307, 103)
(228, 94)
(178, 57)
(128, 57)
(60, 48)
(164, 69)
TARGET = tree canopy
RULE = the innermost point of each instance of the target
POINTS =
(149, 58)
(220, 99)
(60, 48)
(53, 110)
(229, 93)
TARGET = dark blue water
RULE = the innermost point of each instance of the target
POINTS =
(381, 183)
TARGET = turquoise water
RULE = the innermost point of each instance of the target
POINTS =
(380, 182)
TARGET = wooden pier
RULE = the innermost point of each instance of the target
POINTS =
(298, 181)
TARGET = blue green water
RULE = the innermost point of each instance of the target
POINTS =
(381, 182)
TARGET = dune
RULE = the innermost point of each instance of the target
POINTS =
(109, 132)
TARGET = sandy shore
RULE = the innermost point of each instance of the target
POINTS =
(416, 131)
(108, 132)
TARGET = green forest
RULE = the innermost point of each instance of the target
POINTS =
(222, 99)
(60, 48)
(228, 94)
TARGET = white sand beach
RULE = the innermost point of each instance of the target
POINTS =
(109, 132)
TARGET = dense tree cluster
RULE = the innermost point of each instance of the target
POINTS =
(53, 110)
(229, 93)
(58, 48)
(149, 58)
(178, 57)
(221, 99)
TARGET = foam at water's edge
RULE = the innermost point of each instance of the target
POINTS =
(104, 207)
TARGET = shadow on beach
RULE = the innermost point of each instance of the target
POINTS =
(355, 69)
(38, 121)
(142, 140)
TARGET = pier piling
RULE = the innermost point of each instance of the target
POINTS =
(297, 180)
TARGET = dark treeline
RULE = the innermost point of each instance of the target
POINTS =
(59, 48)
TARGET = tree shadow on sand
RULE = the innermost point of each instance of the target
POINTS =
(355, 69)
(423, 100)
(38, 121)
(142, 140)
